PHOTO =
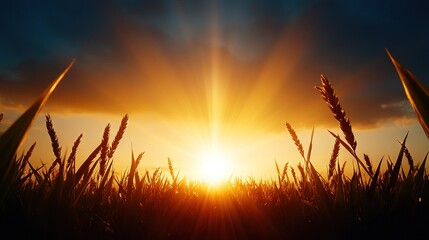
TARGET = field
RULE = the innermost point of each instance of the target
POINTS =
(65, 201)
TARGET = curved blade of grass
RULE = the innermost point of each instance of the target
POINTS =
(417, 93)
(85, 182)
(346, 146)
(310, 146)
(405, 192)
(419, 178)
(131, 174)
(32, 173)
(354, 192)
(339, 193)
(320, 189)
(374, 181)
(397, 167)
(110, 184)
(15, 135)
(106, 176)
(420, 173)
(35, 172)
(133, 170)
(102, 186)
(84, 168)
(279, 176)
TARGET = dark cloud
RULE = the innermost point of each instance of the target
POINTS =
(155, 57)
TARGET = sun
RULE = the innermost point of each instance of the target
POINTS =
(214, 166)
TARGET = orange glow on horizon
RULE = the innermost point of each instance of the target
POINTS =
(187, 101)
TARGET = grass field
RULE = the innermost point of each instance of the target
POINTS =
(62, 200)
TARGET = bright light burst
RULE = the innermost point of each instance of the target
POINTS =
(214, 166)
(211, 111)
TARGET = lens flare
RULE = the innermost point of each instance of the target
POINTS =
(214, 166)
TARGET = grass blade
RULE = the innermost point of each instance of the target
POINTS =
(279, 176)
(397, 167)
(374, 181)
(15, 135)
(346, 146)
(421, 171)
(310, 146)
(84, 168)
(320, 189)
(339, 193)
(417, 93)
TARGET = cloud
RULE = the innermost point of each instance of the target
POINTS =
(259, 60)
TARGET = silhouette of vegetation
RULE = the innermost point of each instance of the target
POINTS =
(90, 201)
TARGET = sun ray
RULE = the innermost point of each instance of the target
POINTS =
(214, 164)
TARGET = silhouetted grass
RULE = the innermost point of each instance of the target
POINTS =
(90, 201)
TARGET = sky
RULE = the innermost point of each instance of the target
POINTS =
(215, 76)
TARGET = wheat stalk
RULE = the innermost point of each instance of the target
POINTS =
(295, 139)
(328, 94)
(104, 150)
(170, 168)
(334, 157)
(29, 152)
(301, 170)
(368, 164)
(155, 175)
(294, 176)
(118, 136)
(409, 158)
(72, 158)
(138, 159)
(54, 140)
(284, 174)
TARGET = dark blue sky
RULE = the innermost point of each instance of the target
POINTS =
(345, 40)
